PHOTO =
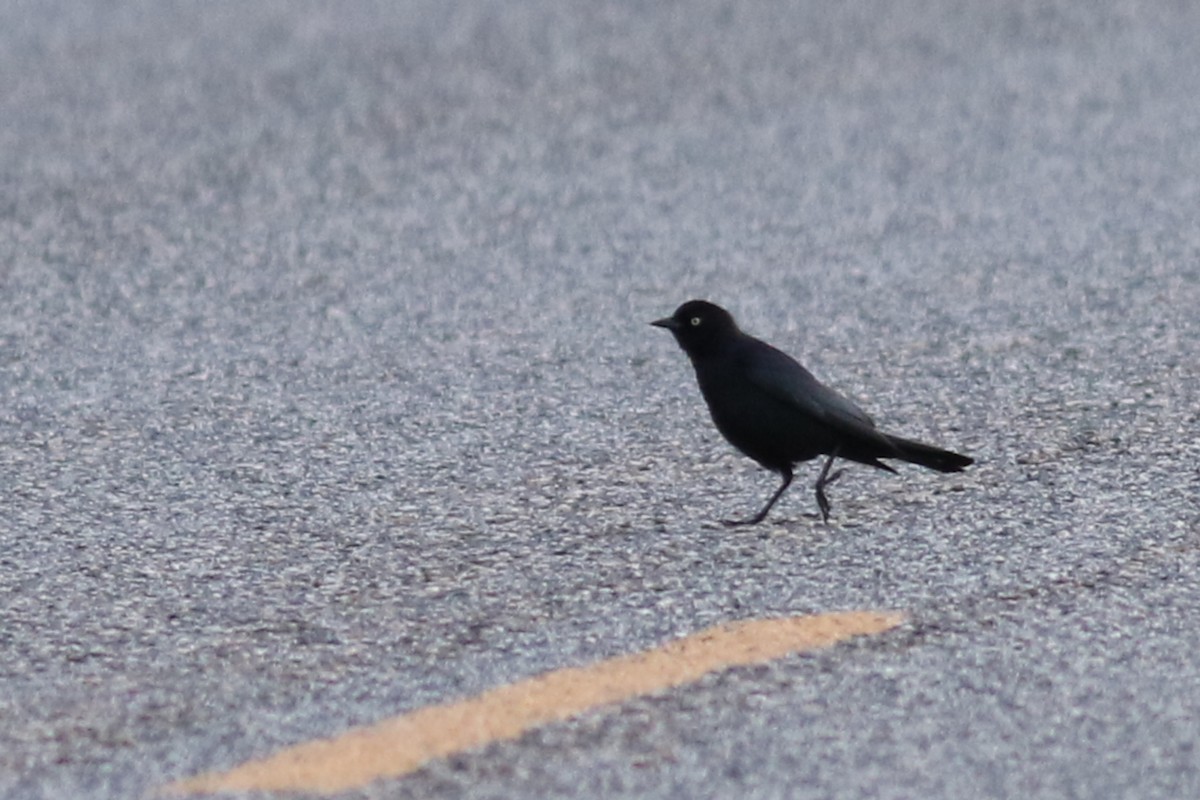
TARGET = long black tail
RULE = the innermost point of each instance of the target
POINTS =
(927, 455)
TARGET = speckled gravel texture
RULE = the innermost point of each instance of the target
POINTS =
(326, 389)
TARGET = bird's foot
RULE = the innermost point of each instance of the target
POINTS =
(823, 504)
(737, 523)
(822, 500)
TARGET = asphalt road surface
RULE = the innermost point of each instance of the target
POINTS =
(327, 393)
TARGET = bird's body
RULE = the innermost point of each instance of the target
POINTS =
(772, 409)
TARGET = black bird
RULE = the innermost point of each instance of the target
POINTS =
(776, 412)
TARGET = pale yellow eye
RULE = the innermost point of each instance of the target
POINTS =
(695, 322)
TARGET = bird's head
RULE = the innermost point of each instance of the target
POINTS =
(699, 326)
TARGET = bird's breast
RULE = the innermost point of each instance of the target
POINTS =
(768, 430)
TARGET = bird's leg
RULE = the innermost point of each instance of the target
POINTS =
(786, 472)
(823, 480)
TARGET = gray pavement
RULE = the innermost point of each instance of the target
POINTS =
(326, 390)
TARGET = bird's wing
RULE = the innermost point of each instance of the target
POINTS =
(780, 376)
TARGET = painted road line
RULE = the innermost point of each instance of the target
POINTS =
(400, 745)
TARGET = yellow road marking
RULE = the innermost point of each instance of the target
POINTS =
(400, 745)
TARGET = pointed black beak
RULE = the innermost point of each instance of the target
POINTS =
(666, 322)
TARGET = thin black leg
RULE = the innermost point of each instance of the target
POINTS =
(760, 516)
(823, 480)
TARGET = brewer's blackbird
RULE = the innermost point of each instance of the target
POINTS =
(776, 412)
